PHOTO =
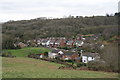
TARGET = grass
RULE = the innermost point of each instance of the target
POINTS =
(0, 67)
(21, 67)
(25, 51)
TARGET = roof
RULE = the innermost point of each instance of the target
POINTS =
(78, 41)
(60, 52)
(55, 51)
(58, 41)
(52, 41)
(89, 54)
(70, 41)
(44, 41)
(68, 53)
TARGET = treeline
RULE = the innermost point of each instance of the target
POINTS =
(23, 30)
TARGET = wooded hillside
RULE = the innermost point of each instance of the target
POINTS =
(68, 27)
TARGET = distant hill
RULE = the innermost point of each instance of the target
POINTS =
(67, 27)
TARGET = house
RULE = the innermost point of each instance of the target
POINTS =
(41, 55)
(73, 50)
(53, 54)
(88, 56)
(60, 52)
(38, 42)
(47, 43)
(52, 42)
(78, 43)
(21, 45)
(57, 43)
(43, 42)
(70, 56)
(70, 43)
(62, 42)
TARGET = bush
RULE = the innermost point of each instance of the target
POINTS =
(46, 54)
(81, 64)
(6, 54)
(97, 65)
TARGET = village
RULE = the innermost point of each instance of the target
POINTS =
(81, 49)
(59, 39)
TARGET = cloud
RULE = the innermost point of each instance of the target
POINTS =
(27, 9)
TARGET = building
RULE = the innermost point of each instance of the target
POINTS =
(71, 56)
(78, 43)
(70, 43)
(88, 56)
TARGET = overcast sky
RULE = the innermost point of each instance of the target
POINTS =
(30, 9)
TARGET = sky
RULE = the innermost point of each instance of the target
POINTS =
(30, 9)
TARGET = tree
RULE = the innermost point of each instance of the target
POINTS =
(110, 55)
(46, 54)
(8, 42)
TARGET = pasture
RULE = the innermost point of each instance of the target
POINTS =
(24, 52)
(21, 67)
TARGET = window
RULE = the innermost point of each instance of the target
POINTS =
(92, 57)
(84, 60)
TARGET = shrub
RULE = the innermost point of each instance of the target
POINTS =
(6, 54)
(97, 65)
(46, 54)
(81, 64)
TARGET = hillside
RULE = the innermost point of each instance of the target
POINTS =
(57, 27)
(64, 27)
(21, 67)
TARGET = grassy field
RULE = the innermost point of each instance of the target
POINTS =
(25, 51)
(21, 67)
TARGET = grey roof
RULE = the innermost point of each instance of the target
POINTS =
(52, 41)
(78, 41)
(58, 41)
(69, 53)
(89, 54)
(69, 41)
(44, 41)
(55, 51)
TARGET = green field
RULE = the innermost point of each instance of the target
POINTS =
(25, 51)
(21, 67)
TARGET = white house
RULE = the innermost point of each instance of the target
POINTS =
(55, 53)
(60, 52)
(48, 43)
(41, 56)
(78, 43)
(52, 55)
(86, 57)
(43, 42)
